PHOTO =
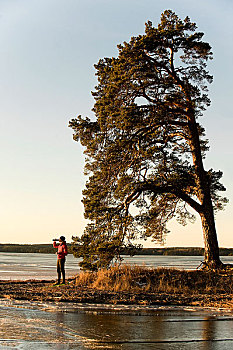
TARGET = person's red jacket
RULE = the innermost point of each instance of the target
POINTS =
(61, 249)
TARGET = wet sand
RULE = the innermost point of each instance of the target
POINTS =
(45, 291)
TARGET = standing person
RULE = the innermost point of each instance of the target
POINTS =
(61, 258)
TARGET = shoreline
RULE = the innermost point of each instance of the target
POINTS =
(45, 291)
(131, 285)
(117, 309)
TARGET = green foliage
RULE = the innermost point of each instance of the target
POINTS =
(145, 148)
(97, 250)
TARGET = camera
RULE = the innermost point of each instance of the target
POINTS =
(55, 239)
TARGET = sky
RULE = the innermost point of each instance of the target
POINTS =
(47, 52)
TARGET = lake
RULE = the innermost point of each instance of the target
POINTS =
(22, 266)
(38, 325)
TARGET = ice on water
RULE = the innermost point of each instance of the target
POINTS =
(33, 325)
(27, 325)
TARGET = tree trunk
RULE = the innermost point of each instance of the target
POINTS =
(211, 255)
(212, 259)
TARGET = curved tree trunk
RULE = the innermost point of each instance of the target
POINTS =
(211, 254)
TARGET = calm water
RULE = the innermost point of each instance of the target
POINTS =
(27, 325)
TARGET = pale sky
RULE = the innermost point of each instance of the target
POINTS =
(47, 52)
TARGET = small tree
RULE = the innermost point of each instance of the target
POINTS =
(145, 149)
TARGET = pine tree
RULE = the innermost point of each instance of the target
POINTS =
(145, 148)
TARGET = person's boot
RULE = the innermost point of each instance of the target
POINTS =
(63, 278)
(57, 284)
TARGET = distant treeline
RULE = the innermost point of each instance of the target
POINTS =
(27, 248)
(48, 249)
(183, 251)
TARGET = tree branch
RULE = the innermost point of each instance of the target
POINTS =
(159, 189)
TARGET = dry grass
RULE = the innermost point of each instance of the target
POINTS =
(135, 279)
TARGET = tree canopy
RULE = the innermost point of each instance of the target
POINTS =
(145, 148)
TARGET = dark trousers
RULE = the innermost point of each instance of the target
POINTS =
(61, 269)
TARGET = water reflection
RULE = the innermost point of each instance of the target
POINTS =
(209, 329)
(45, 325)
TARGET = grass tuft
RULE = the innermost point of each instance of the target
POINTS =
(135, 279)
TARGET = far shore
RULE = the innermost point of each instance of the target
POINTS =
(170, 251)
(131, 286)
